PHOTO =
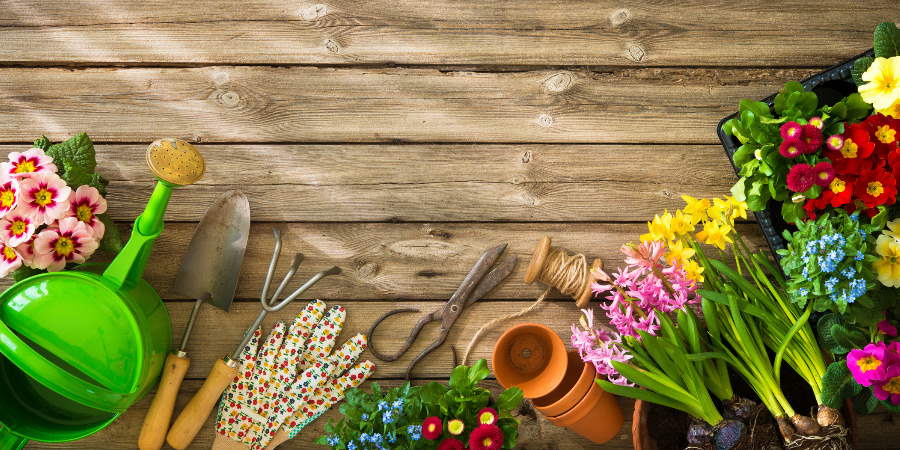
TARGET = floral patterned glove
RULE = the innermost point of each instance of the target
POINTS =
(276, 384)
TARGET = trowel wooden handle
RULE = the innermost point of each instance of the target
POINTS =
(153, 432)
(194, 415)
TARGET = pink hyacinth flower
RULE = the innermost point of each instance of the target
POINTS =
(45, 197)
(71, 242)
(27, 163)
(9, 194)
(86, 204)
(16, 228)
(9, 260)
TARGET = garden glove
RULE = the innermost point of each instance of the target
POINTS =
(279, 380)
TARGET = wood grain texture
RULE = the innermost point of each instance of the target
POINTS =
(305, 104)
(448, 183)
(531, 32)
(535, 432)
(399, 261)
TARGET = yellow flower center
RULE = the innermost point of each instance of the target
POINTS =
(7, 198)
(835, 141)
(875, 188)
(892, 386)
(84, 213)
(18, 227)
(792, 131)
(25, 167)
(849, 149)
(486, 418)
(868, 363)
(886, 134)
(8, 253)
(487, 442)
(64, 246)
(823, 175)
(43, 197)
(837, 185)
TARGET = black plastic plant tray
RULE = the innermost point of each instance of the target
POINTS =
(831, 86)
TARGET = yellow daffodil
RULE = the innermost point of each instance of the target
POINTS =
(681, 224)
(888, 267)
(659, 229)
(693, 270)
(715, 233)
(697, 209)
(882, 89)
(738, 208)
(679, 253)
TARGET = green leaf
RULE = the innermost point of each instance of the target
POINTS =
(837, 384)
(864, 402)
(760, 109)
(42, 143)
(825, 338)
(509, 399)
(860, 66)
(24, 272)
(792, 212)
(738, 190)
(112, 239)
(459, 376)
(847, 337)
(73, 174)
(641, 394)
(99, 183)
(478, 371)
(886, 41)
(79, 150)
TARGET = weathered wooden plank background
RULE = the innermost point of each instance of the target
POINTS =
(399, 139)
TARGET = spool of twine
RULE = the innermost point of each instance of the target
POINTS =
(555, 267)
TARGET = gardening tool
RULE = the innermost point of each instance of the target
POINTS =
(481, 279)
(209, 273)
(80, 346)
(223, 372)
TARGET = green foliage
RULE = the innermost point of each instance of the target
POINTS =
(826, 338)
(112, 239)
(886, 40)
(76, 152)
(838, 384)
(462, 398)
(860, 66)
(42, 143)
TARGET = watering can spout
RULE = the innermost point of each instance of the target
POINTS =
(175, 163)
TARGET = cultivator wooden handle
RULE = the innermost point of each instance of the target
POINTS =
(156, 423)
(194, 415)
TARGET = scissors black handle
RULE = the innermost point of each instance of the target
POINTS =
(409, 340)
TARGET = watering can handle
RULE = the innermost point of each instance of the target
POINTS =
(52, 376)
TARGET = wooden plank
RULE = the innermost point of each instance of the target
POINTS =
(306, 104)
(405, 183)
(531, 32)
(400, 261)
(535, 431)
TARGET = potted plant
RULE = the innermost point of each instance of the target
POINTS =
(457, 415)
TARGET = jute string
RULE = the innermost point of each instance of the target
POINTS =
(568, 273)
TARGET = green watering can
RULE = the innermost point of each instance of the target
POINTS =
(79, 347)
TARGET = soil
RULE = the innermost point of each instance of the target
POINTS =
(667, 427)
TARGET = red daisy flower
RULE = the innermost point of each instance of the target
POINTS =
(876, 187)
(791, 148)
(801, 177)
(834, 142)
(432, 428)
(486, 437)
(487, 416)
(811, 138)
(791, 130)
(824, 173)
(885, 133)
(451, 444)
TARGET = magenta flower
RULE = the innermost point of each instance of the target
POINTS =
(887, 328)
(27, 163)
(811, 137)
(45, 197)
(791, 130)
(71, 242)
(817, 122)
(889, 388)
(791, 148)
(824, 173)
(835, 142)
(86, 204)
(9, 194)
(868, 365)
(16, 228)
(9, 259)
(801, 177)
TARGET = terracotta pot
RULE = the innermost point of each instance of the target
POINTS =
(531, 357)
(597, 417)
(578, 379)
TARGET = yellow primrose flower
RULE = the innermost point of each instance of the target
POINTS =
(888, 267)
(679, 253)
(659, 229)
(882, 89)
(715, 233)
(696, 208)
(693, 270)
(893, 229)
(893, 110)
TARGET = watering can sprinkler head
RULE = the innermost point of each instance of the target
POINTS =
(175, 162)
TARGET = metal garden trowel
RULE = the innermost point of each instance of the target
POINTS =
(209, 273)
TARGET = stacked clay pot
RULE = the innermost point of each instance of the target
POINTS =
(559, 384)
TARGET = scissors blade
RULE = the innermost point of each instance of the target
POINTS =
(476, 273)
(493, 278)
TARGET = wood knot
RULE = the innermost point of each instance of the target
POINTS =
(559, 82)
(368, 270)
(229, 99)
(527, 157)
(545, 120)
(434, 232)
(635, 52)
(314, 12)
(333, 46)
(619, 17)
